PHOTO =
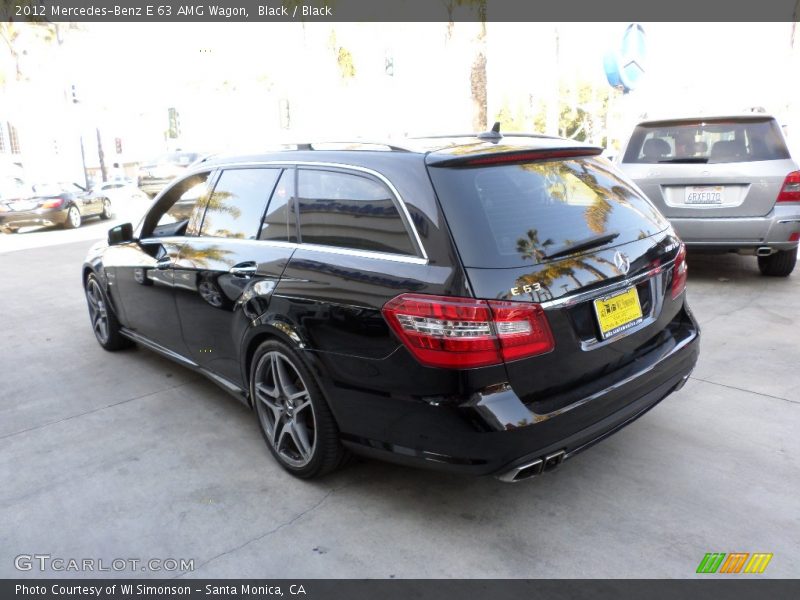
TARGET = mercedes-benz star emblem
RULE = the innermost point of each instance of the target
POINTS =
(622, 262)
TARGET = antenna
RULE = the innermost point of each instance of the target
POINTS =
(494, 134)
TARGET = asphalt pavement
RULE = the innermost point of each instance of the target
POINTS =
(128, 455)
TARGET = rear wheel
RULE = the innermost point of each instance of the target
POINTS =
(294, 417)
(104, 322)
(73, 218)
(779, 264)
(107, 212)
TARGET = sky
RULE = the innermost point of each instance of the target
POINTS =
(227, 79)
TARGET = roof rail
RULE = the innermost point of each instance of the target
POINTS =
(351, 145)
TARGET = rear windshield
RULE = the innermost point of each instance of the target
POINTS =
(513, 215)
(712, 141)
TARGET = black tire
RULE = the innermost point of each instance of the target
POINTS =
(108, 336)
(72, 221)
(107, 212)
(326, 453)
(779, 264)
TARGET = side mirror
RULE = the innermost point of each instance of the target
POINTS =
(120, 234)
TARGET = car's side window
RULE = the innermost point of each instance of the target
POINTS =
(349, 210)
(178, 212)
(237, 203)
(279, 223)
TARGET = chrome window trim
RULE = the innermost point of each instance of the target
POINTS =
(373, 254)
(404, 213)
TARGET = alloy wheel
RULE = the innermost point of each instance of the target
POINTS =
(285, 409)
(74, 217)
(98, 312)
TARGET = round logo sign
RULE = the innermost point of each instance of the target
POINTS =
(624, 64)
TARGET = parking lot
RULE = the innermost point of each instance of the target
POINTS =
(129, 455)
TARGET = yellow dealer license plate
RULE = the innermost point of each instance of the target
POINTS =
(619, 312)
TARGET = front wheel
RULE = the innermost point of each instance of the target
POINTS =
(292, 413)
(73, 218)
(779, 264)
(104, 322)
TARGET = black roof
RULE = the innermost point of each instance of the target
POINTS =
(434, 150)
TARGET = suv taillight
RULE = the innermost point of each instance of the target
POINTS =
(461, 333)
(679, 273)
(790, 192)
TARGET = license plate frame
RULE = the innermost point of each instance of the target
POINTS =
(618, 312)
(704, 195)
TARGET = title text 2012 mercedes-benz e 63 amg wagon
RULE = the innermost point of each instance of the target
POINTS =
(485, 305)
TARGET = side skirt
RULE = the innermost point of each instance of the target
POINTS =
(230, 387)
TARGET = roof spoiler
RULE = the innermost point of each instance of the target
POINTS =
(506, 156)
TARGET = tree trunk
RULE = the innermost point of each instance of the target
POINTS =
(478, 82)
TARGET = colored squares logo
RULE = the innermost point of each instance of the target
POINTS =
(734, 562)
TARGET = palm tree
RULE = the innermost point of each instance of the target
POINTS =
(477, 77)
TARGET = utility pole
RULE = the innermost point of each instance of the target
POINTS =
(101, 155)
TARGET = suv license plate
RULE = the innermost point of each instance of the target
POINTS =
(618, 312)
(709, 194)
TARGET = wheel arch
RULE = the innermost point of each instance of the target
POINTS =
(279, 331)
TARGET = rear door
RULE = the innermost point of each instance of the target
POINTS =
(723, 167)
(227, 273)
(576, 238)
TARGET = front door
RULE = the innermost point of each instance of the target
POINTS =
(141, 273)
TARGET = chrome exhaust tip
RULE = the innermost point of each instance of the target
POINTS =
(525, 471)
(551, 461)
(763, 251)
(533, 468)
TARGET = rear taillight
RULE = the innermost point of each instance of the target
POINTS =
(679, 273)
(53, 203)
(460, 333)
(790, 192)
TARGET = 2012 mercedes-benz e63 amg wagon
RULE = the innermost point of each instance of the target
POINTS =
(482, 304)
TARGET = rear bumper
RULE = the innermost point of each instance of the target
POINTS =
(33, 218)
(742, 233)
(493, 433)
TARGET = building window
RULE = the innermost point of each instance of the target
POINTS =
(13, 139)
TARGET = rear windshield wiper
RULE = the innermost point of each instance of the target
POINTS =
(591, 242)
(685, 159)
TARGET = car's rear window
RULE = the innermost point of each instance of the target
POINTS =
(513, 215)
(710, 141)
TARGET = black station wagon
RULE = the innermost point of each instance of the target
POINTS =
(482, 304)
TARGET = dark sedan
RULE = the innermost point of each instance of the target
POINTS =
(53, 204)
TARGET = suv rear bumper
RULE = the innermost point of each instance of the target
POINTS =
(486, 435)
(741, 233)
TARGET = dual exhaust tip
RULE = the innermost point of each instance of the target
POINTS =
(533, 468)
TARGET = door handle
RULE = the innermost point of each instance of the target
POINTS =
(243, 269)
(163, 263)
